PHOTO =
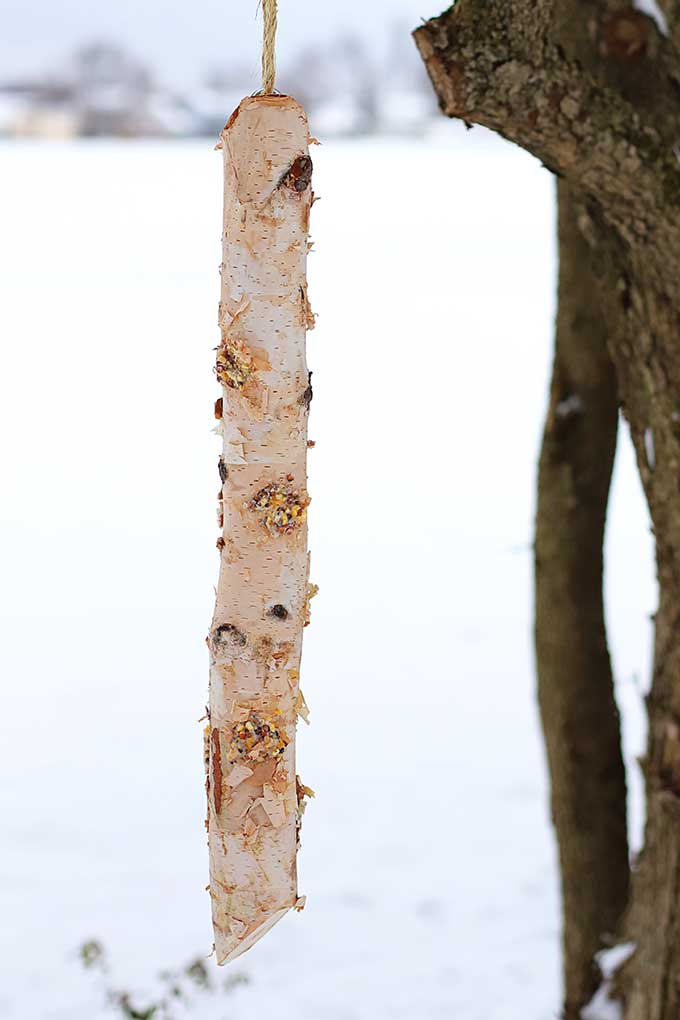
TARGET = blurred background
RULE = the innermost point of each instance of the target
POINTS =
(153, 69)
(427, 858)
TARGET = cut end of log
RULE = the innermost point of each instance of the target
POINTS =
(264, 105)
(230, 947)
(265, 102)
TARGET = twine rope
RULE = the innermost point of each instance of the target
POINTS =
(269, 18)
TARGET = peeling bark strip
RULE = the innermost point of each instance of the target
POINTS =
(216, 774)
(262, 597)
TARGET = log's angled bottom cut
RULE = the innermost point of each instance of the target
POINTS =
(250, 940)
(255, 799)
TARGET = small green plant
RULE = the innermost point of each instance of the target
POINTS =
(174, 986)
(91, 954)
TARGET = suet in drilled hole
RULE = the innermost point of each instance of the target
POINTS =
(234, 364)
(280, 508)
(257, 739)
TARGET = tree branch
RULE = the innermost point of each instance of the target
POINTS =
(485, 71)
(575, 688)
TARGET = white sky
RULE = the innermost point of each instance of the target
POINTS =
(181, 38)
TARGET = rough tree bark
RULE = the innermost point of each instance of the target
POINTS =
(255, 800)
(575, 688)
(610, 130)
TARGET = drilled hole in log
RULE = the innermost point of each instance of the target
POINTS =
(298, 177)
(306, 398)
(226, 637)
(279, 611)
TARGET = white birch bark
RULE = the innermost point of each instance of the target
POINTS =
(254, 799)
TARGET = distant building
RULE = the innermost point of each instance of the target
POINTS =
(37, 109)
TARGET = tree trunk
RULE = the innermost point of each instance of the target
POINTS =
(255, 642)
(576, 696)
(611, 131)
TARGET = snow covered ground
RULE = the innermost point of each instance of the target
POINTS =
(427, 856)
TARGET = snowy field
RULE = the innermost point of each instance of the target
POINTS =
(427, 858)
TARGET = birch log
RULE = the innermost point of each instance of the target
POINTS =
(254, 798)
